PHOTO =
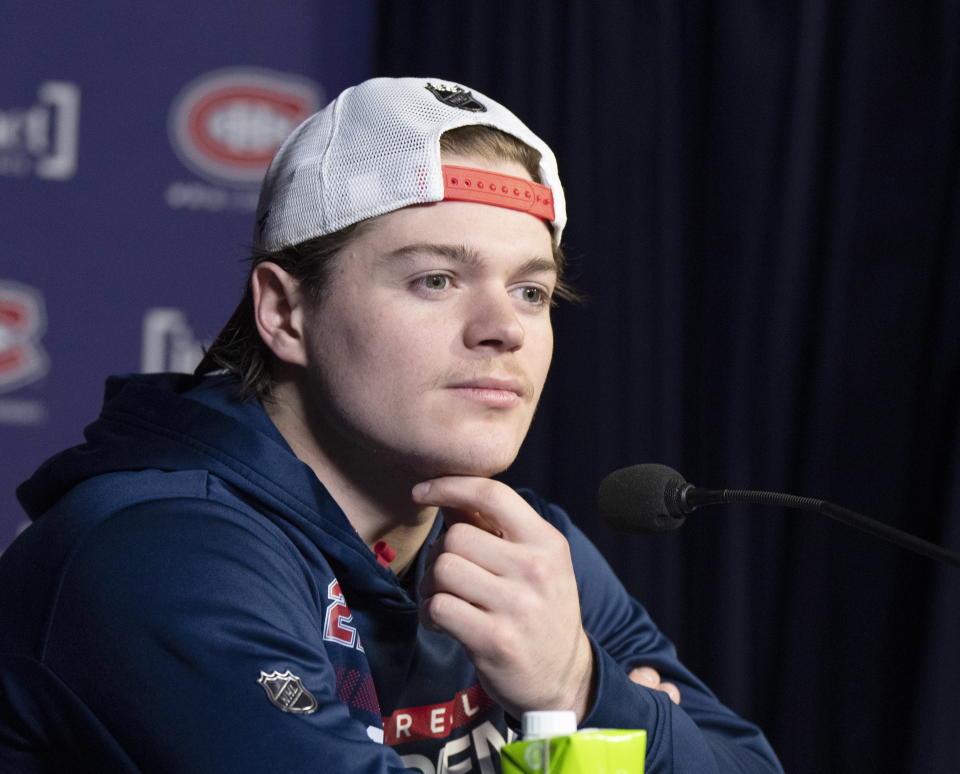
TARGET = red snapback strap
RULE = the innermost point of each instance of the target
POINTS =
(464, 184)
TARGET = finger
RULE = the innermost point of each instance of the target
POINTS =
(671, 690)
(453, 574)
(645, 676)
(496, 555)
(649, 677)
(496, 503)
(451, 615)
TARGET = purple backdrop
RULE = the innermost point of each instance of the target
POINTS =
(132, 140)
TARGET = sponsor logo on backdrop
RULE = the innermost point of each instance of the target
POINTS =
(41, 140)
(169, 343)
(225, 127)
(23, 321)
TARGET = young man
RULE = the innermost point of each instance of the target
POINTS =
(297, 560)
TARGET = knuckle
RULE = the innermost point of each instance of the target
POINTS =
(445, 567)
(536, 572)
(501, 647)
(553, 549)
(458, 537)
(646, 676)
(434, 609)
(486, 493)
(672, 691)
(556, 541)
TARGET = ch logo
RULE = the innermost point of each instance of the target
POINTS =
(226, 124)
(23, 320)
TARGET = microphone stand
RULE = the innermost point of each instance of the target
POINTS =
(689, 498)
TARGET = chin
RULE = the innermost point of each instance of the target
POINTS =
(485, 463)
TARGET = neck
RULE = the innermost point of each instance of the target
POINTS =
(374, 496)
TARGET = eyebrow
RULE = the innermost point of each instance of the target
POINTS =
(466, 256)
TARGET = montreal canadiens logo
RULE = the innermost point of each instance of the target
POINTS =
(23, 321)
(227, 124)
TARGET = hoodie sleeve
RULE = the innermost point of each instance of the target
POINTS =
(699, 735)
(194, 604)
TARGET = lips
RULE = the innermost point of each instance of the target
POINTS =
(491, 391)
(489, 383)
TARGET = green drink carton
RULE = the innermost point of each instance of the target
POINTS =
(551, 744)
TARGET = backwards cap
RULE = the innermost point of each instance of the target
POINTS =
(376, 148)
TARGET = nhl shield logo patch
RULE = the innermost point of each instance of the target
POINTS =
(456, 97)
(286, 691)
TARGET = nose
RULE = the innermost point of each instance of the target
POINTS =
(492, 322)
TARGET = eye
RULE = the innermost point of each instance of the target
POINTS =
(533, 295)
(432, 282)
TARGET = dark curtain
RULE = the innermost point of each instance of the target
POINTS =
(764, 218)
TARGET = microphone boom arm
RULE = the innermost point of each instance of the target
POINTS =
(689, 498)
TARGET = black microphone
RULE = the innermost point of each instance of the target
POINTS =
(655, 498)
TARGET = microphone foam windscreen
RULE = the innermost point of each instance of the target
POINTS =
(633, 499)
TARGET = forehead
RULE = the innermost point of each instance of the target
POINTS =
(470, 234)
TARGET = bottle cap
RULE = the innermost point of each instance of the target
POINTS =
(544, 724)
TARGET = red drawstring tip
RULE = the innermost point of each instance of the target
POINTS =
(384, 553)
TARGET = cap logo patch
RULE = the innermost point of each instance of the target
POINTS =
(454, 96)
(286, 691)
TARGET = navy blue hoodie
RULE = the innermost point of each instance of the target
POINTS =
(190, 598)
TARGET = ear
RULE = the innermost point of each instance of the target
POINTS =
(279, 312)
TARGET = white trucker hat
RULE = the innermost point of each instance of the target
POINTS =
(376, 148)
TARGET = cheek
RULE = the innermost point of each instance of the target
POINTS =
(540, 344)
(372, 353)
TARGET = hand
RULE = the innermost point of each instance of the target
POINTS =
(501, 582)
(650, 677)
